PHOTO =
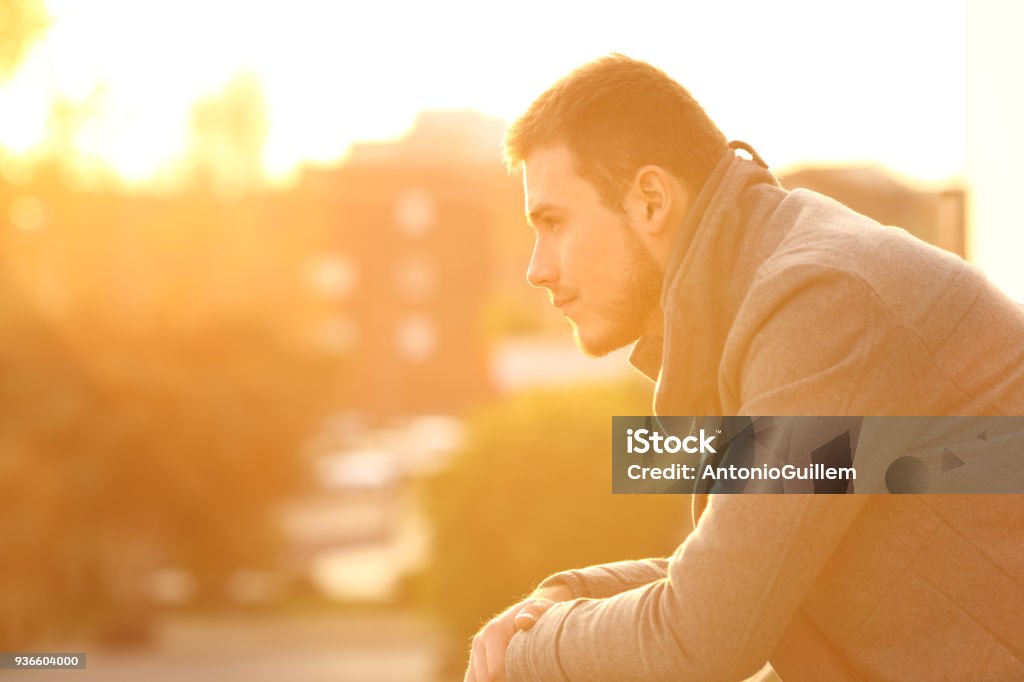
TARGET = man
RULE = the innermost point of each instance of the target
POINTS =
(746, 299)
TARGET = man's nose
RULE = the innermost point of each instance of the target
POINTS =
(542, 271)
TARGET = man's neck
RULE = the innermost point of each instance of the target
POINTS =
(655, 325)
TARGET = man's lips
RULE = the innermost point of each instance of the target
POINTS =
(560, 302)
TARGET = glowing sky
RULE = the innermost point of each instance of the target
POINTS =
(802, 80)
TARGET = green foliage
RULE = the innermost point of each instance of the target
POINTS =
(530, 494)
(505, 316)
(21, 22)
(138, 437)
(229, 131)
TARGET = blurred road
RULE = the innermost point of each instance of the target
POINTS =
(368, 647)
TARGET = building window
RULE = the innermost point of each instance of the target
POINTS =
(415, 212)
(333, 276)
(416, 338)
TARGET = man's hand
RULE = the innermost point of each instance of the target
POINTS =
(487, 657)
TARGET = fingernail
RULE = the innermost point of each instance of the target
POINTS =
(525, 620)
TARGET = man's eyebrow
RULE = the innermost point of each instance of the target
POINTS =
(536, 213)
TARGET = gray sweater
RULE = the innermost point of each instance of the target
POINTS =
(788, 303)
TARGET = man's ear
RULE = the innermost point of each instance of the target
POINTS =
(652, 198)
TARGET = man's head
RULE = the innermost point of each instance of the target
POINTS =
(611, 156)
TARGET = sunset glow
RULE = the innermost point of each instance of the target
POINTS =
(333, 73)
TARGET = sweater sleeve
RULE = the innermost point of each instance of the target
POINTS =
(605, 580)
(729, 593)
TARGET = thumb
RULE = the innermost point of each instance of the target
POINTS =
(531, 611)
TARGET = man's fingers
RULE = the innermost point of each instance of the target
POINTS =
(487, 654)
(531, 611)
(478, 659)
(495, 637)
(470, 675)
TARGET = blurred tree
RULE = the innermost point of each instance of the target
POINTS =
(157, 389)
(229, 130)
(530, 494)
(122, 453)
(63, 152)
(21, 23)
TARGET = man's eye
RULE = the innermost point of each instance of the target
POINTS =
(553, 226)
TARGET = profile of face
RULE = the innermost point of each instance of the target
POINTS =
(587, 255)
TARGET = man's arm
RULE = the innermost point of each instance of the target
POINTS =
(733, 587)
(730, 592)
(606, 580)
(487, 655)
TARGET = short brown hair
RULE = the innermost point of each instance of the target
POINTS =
(616, 115)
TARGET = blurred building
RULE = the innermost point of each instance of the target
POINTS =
(409, 262)
(937, 217)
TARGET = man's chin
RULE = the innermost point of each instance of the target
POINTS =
(597, 346)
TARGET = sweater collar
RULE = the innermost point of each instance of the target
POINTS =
(646, 355)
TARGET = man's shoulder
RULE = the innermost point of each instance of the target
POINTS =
(826, 244)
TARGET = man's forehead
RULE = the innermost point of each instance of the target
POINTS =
(550, 178)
